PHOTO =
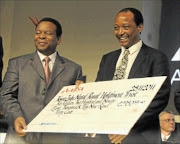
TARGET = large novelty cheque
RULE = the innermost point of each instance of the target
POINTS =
(109, 107)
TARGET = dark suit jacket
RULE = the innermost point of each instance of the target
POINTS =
(149, 62)
(173, 139)
(1, 62)
(25, 93)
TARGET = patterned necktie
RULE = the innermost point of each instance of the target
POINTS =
(46, 69)
(121, 70)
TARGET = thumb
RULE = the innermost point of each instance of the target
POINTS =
(23, 124)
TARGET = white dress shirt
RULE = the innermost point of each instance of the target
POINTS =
(52, 59)
(134, 50)
(162, 137)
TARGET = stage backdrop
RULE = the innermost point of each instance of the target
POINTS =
(170, 42)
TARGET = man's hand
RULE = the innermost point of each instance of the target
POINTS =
(92, 135)
(19, 125)
(116, 138)
(78, 82)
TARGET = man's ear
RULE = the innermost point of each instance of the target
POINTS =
(140, 28)
(59, 40)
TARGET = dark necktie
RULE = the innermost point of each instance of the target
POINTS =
(46, 69)
(121, 70)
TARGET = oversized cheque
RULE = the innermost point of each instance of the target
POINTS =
(110, 107)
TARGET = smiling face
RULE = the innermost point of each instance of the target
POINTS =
(45, 38)
(126, 30)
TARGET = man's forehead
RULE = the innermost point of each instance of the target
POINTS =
(168, 115)
(125, 16)
(128, 14)
(46, 24)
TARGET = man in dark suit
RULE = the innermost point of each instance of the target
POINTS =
(167, 126)
(140, 61)
(31, 82)
(1, 61)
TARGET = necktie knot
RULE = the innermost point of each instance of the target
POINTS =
(47, 59)
(164, 138)
(126, 52)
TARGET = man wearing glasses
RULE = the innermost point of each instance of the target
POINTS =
(167, 126)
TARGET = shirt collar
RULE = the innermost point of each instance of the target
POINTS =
(134, 47)
(162, 136)
(52, 56)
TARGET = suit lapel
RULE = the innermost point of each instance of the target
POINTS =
(138, 61)
(57, 68)
(36, 64)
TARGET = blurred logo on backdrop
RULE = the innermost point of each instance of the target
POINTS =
(176, 59)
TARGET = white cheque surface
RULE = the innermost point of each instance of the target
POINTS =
(109, 107)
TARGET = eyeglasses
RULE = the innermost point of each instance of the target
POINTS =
(168, 120)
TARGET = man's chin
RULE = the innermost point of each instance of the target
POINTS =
(46, 51)
(125, 46)
(43, 51)
(171, 129)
